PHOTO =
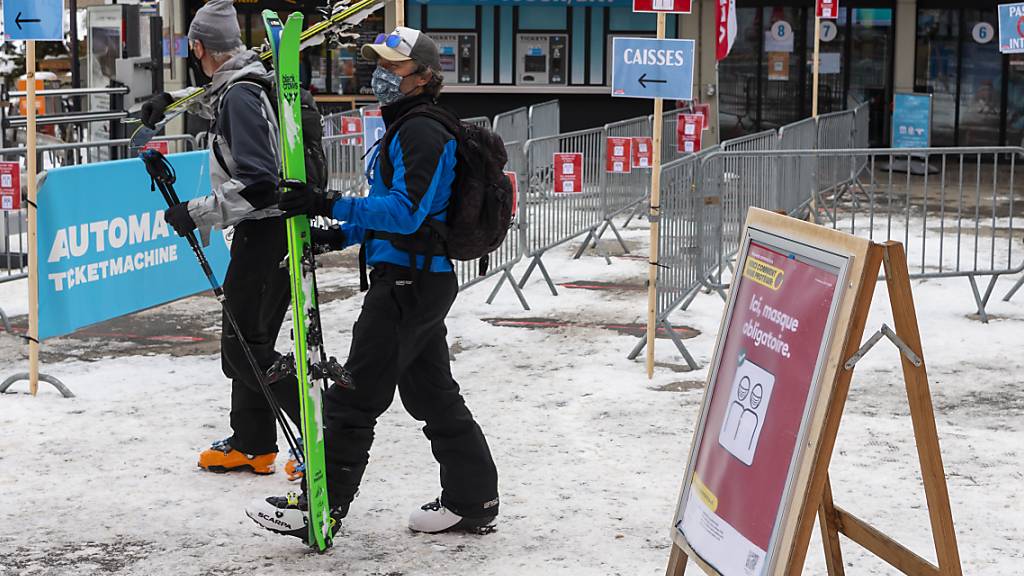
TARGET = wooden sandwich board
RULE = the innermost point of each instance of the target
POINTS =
(757, 473)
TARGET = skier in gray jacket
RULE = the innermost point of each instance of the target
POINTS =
(244, 175)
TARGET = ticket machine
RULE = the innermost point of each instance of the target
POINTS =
(542, 59)
(458, 54)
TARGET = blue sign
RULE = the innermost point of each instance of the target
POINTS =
(911, 120)
(1011, 28)
(110, 253)
(373, 131)
(33, 19)
(651, 68)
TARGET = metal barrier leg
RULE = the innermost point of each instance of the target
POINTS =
(610, 224)
(638, 348)
(64, 391)
(978, 299)
(538, 263)
(1013, 290)
(3, 320)
(679, 345)
(506, 275)
(600, 233)
(586, 242)
(690, 297)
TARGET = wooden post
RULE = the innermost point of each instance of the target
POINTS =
(33, 262)
(399, 12)
(830, 532)
(922, 412)
(655, 216)
(817, 65)
(676, 562)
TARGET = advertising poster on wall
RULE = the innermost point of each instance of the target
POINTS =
(769, 362)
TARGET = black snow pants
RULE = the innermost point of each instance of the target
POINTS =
(399, 341)
(258, 293)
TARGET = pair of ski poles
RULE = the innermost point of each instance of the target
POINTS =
(162, 174)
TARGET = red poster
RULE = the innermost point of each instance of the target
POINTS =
(619, 156)
(10, 186)
(162, 147)
(673, 6)
(704, 110)
(828, 9)
(352, 125)
(568, 173)
(643, 149)
(759, 395)
(689, 128)
(515, 192)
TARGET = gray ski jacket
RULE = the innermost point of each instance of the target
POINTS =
(245, 157)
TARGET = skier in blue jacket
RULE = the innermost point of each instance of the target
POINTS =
(399, 341)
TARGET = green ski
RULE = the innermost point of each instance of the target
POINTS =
(306, 332)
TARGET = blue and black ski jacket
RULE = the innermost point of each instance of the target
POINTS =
(408, 184)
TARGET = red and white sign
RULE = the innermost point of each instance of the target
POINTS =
(704, 110)
(515, 192)
(828, 9)
(10, 186)
(619, 156)
(568, 173)
(673, 6)
(352, 125)
(643, 152)
(766, 370)
(725, 16)
(688, 133)
(162, 147)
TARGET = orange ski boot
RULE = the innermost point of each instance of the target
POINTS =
(292, 468)
(221, 457)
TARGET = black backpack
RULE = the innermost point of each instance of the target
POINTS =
(480, 208)
(312, 132)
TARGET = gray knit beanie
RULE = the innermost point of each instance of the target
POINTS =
(216, 26)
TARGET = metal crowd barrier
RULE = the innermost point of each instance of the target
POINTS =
(681, 239)
(625, 192)
(514, 125)
(795, 176)
(545, 119)
(333, 122)
(504, 259)
(553, 219)
(14, 228)
(835, 131)
(345, 172)
(481, 121)
(956, 218)
(669, 146)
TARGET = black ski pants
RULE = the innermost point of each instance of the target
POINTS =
(399, 341)
(258, 293)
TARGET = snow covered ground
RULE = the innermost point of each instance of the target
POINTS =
(590, 453)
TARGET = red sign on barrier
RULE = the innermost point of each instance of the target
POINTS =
(352, 125)
(620, 155)
(568, 173)
(828, 9)
(162, 147)
(668, 6)
(643, 149)
(704, 110)
(515, 192)
(10, 186)
(688, 133)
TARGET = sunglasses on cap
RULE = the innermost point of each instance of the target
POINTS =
(391, 40)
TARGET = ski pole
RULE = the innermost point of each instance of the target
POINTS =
(162, 174)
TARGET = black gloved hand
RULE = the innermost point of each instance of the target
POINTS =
(300, 198)
(179, 219)
(327, 240)
(153, 109)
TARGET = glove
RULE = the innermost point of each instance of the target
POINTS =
(327, 240)
(300, 198)
(153, 109)
(179, 219)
